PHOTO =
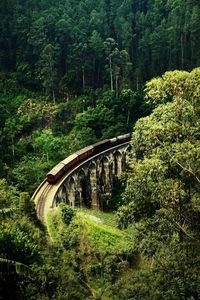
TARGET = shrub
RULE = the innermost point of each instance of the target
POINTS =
(67, 214)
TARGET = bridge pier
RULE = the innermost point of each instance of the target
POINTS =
(82, 189)
(71, 192)
(105, 176)
(118, 164)
(92, 184)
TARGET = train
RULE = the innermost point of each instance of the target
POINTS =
(73, 160)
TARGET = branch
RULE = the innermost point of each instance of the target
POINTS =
(188, 170)
(178, 163)
(184, 231)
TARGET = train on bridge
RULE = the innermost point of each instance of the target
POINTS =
(70, 162)
(46, 194)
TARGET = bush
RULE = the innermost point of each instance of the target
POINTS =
(67, 214)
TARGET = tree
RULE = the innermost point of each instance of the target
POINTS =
(67, 214)
(27, 206)
(96, 45)
(167, 144)
(18, 247)
(162, 194)
(11, 129)
(109, 46)
(8, 195)
(48, 71)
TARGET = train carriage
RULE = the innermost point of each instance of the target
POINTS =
(123, 138)
(85, 153)
(55, 173)
(71, 161)
(101, 146)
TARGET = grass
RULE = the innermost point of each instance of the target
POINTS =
(105, 217)
(102, 249)
(106, 238)
(53, 222)
(102, 233)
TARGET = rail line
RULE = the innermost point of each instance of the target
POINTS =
(41, 200)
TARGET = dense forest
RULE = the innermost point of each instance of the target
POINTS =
(73, 73)
(63, 48)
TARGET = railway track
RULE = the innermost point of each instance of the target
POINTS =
(40, 201)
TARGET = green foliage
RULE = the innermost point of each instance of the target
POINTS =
(165, 164)
(67, 214)
(174, 84)
(71, 74)
(27, 206)
(19, 243)
(10, 266)
(79, 138)
(8, 194)
(30, 171)
(98, 251)
(7, 212)
(65, 48)
(162, 192)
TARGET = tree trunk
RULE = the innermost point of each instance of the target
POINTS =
(111, 74)
(116, 85)
(53, 95)
(94, 73)
(13, 149)
(128, 116)
(182, 51)
(83, 77)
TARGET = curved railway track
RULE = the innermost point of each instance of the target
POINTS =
(40, 205)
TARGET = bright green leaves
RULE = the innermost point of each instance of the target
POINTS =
(96, 118)
(142, 193)
(45, 142)
(162, 193)
(165, 153)
(169, 123)
(174, 84)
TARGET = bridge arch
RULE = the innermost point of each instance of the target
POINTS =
(126, 154)
(105, 175)
(71, 192)
(118, 163)
(82, 189)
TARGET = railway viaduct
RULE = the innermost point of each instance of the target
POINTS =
(88, 184)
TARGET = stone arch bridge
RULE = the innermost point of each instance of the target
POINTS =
(87, 184)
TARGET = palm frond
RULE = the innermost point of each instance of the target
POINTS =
(8, 266)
